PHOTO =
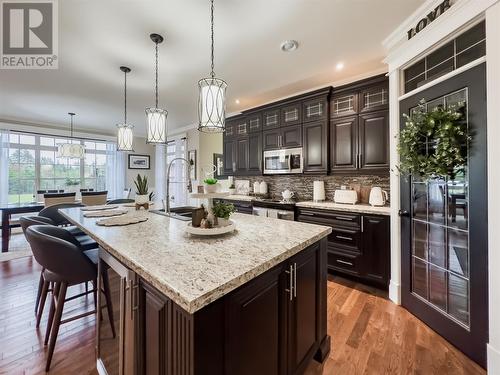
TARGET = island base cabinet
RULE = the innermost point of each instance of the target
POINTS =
(273, 325)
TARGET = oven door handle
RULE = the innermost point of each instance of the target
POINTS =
(289, 162)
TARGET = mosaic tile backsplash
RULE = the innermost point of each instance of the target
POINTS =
(302, 185)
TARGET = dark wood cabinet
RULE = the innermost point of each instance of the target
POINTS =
(229, 151)
(255, 154)
(343, 144)
(271, 118)
(315, 143)
(374, 98)
(376, 241)
(373, 146)
(291, 114)
(344, 104)
(315, 109)
(286, 137)
(254, 122)
(359, 245)
(241, 155)
(256, 325)
(241, 126)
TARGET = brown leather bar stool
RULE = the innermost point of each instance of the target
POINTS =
(52, 212)
(65, 265)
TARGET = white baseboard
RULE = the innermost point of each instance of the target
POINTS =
(493, 360)
(395, 292)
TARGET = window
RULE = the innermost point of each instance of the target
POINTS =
(34, 165)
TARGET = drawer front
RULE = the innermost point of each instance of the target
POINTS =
(333, 218)
(348, 239)
(344, 263)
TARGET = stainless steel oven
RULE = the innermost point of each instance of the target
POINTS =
(285, 161)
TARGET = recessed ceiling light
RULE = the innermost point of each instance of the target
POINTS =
(289, 45)
(339, 66)
(237, 101)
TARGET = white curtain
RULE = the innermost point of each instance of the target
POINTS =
(115, 171)
(160, 172)
(178, 173)
(4, 167)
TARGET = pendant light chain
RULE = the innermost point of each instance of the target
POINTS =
(125, 96)
(156, 75)
(212, 30)
(71, 126)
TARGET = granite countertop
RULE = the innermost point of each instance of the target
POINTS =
(195, 271)
(361, 208)
(240, 197)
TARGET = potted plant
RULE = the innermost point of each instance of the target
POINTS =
(210, 185)
(222, 211)
(142, 190)
(232, 189)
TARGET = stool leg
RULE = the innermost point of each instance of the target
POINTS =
(61, 296)
(109, 304)
(55, 291)
(43, 297)
(39, 292)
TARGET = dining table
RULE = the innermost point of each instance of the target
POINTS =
(12, 209)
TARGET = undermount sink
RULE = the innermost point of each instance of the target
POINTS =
(183, 213)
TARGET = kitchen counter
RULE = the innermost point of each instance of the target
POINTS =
(359, 208)
(240, 197)
(195, 271)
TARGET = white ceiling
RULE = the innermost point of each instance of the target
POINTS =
(96, 37)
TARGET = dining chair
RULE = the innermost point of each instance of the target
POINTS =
(94, 198)
(85, 190)
(64, 265)
(54, 198)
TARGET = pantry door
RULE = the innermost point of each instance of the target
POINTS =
(444, 228)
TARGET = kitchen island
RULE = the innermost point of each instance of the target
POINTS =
(250, 302)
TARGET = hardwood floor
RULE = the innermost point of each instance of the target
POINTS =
(370, 335)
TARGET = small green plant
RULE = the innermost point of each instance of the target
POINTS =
(210, 181)
(152, 196)
(141, 185)
(223, 210)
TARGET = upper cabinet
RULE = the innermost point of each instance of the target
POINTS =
(270, 118)
(315, 109)
(374, 98)
(254, 122)
(344, 105)
(374, 140)
(291, 114)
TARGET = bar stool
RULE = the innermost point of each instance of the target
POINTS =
(64, 265)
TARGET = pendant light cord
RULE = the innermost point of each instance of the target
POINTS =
(212, 37)
(71, 127)
(125, 96)
(156, 79)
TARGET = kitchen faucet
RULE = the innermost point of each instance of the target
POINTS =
(189, 185)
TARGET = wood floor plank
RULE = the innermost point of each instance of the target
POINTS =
(370, 334)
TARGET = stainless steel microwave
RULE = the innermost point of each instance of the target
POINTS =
(285, 161)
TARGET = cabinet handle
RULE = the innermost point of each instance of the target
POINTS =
(360, 161)
(307, 213)
(290, 281)
(344, 238)
(344, 218)
(295, 280)
(344, 262)
(362, 224)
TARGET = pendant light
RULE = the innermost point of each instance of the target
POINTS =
(71, 150)
(212, 95)
(156, 117)
(125, 136)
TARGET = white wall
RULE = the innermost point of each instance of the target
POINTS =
(142, 148)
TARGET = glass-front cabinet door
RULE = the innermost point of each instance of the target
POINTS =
(444, 226)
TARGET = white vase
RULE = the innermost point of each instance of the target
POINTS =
(222, 222)
(231, 191)
(210, 188)
(141, 199)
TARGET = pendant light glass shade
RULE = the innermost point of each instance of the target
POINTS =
(156, 127)
(212, 94)
(71, 150)
(125, 135)
(212, 105)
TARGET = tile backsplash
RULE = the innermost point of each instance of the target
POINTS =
(302, 185)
